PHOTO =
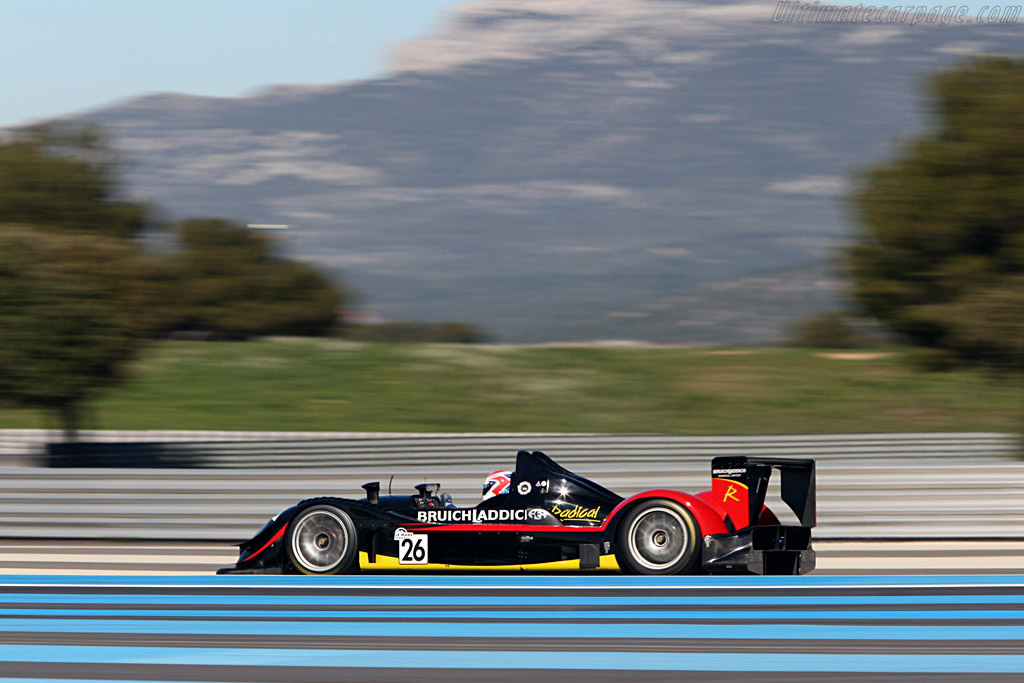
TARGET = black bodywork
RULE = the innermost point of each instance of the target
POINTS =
(552, 519)
(765, 548)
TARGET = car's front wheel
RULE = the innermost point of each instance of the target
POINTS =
(322, 540)
(657, 536)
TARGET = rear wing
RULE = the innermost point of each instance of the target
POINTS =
(739, 484)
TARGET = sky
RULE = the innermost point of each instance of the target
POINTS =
(68, 56)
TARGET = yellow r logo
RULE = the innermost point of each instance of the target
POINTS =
(730, 493)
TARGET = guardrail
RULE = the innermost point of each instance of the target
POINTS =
(869, 486)
(358, 449)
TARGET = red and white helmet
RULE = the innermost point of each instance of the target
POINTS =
(497, 483)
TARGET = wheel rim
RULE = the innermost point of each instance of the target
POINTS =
(319, 541)
(658, 538)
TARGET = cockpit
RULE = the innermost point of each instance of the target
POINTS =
(538, 487)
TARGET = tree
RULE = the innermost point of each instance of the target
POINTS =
(76, 293)
(417, 332)
(64, 178)
(827, 330)
(939, 256)
(229, 283)
(68, 325)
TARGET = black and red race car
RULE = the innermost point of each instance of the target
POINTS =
(550, 520)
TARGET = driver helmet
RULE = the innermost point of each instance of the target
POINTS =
(497, 483)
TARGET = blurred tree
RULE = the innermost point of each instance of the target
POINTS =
(939, 257)
(73, 310)
(76, 294)
(457, 333)
(417, 332)
(228, 283)
(62, 177)
(828, 330)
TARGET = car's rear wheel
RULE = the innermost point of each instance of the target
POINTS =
(657, 536)
(322, 540)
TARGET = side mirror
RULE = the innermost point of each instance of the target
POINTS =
(372, 492)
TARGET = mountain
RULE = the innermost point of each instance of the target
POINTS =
(559, 169)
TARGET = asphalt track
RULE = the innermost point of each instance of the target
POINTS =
(992, 556)
(512, 628)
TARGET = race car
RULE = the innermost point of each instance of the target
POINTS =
(550, 519)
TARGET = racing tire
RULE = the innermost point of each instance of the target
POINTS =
(657, 536)
(321, 540)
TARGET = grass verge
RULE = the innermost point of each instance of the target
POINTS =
(291, 384)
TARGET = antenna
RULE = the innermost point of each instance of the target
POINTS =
(389, 483)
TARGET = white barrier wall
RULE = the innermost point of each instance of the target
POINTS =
(869, 486)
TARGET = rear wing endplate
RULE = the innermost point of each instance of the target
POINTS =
(743, 483)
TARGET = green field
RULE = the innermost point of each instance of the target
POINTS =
(333, 385)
